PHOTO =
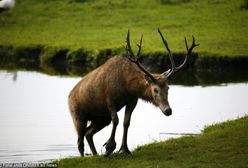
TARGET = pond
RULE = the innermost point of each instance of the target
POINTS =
(36, 126)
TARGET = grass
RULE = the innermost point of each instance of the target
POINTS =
(220, 26)
(221, 145)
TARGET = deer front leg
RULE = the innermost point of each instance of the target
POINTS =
(128, 112)
(110, 145)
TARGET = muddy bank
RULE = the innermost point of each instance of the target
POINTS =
(201, 70)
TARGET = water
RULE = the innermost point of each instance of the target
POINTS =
(35, 124)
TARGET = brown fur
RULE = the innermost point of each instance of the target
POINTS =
(102, 93)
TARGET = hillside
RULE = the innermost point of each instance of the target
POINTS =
(220, 26)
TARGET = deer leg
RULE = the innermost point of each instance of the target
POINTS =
(95, 126)
(128, 112)
(80, 123)
(89, 137)
(81, 128)
(110, 145)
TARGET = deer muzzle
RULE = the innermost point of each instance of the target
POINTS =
(168, 112)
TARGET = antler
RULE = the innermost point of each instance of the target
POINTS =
(131, 57)
(173, 69)
(170, 71)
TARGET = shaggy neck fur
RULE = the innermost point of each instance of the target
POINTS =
(145, 91)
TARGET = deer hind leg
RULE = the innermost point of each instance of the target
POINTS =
(81, 128)
(110, 145)
(80, 123)
(96, 125)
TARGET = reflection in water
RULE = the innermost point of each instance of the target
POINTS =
(35, 123)
(14, 76)
(187, 76)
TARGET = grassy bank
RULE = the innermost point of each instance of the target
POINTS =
(220, 26)
(221, 145)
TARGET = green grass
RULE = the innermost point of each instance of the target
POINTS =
(221, 145)
(220, 26)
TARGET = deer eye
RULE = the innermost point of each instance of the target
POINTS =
(155, 90)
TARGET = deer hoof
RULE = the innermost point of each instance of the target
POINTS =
(110, 147)
(125, 150)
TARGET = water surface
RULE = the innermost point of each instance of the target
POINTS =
(35, 123)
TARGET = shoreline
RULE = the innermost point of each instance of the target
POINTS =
(199, 70)
(215, 146)
(38, 55)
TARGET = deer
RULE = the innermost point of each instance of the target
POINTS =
(120, 81)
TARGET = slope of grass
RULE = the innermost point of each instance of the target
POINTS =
(220, 26)
(221, 145)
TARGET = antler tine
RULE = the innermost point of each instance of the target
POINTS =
(189, 51)
(132, 58)
(186, 57)
(129, 50)
(193, 45)
(170, 71)
(139, 46)
(186, 43)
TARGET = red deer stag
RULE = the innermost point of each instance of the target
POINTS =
(120, 82)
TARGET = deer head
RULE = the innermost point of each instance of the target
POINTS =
(158, 83)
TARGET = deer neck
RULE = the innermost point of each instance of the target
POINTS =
(146, 92)
(141, 88)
